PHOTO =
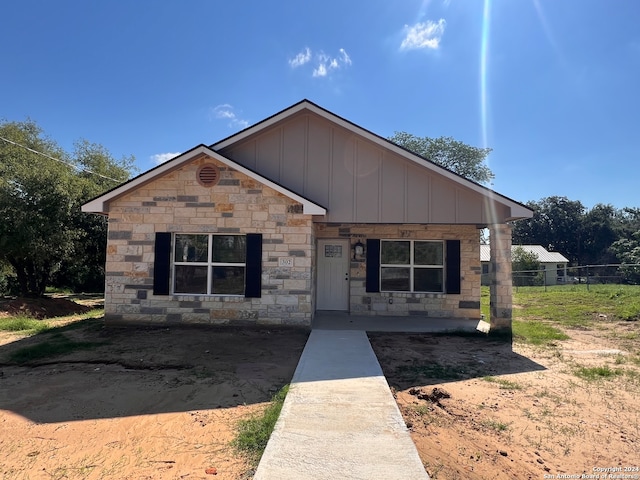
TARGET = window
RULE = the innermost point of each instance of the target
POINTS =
(411, 266)
(208, 264)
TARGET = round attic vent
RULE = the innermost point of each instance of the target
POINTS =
(208, 175)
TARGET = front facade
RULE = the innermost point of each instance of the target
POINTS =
(300, 213)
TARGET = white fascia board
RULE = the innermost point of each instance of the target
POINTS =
(518, 211)
(98, 205)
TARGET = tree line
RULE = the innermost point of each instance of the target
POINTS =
(601, 235)
(45, 239)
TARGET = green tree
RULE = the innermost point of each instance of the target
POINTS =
(628, 251)
(452, 154)
(42, 231)
(526, 267)
(627, 248)
(97, 172)
(8, 284)
(601, 227)
(556, 225)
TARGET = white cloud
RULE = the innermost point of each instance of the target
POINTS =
(301, 58)
(226, 112)
(159, 158)
(320, 71)
(344, 56)
(323, 64)
(423, 35)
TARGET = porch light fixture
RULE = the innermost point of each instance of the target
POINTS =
(358, 250)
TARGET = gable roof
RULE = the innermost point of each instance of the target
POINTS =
(518, 210)
(485, 200)
(99, 204)
(544, 256)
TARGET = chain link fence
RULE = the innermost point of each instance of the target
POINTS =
(581, 277)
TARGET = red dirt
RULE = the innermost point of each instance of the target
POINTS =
(40, 308)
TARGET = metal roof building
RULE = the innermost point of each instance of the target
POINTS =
(544, 256)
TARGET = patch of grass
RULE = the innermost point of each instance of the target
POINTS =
(503, 383)
(485, 300)
(66, 291)
(426, 416)
(633, 375)
(53, 346)
(254, 432)
(431, 370)
(575, 306)
(597, 373)
(536, 332)
(23, 325)
(421, 409)
(495, 425)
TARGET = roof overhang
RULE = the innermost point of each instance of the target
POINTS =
(100, 204)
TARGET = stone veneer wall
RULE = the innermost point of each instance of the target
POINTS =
(437, 305)
(500, 279)
(237, 205)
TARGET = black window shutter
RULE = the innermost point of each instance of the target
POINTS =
(253, 279)
(453, 266)
(162, 264)
(373, 265)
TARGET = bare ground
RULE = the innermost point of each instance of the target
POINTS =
(145, 404)
(523, 412)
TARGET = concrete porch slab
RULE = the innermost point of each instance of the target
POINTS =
(339, 419)
(329, 320)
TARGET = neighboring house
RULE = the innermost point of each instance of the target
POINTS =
(554, 264)
(304, 211)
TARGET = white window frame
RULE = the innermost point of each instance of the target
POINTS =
(209, 264)
(411, 266)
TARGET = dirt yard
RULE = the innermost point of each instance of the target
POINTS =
(163, 403)
(137, 403)
(478, 409)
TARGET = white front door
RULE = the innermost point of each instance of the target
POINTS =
(333, 275)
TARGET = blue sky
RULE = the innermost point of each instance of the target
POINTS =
(553, 86)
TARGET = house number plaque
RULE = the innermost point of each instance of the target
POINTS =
(285, 262)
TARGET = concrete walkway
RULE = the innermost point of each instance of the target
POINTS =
(339, 419)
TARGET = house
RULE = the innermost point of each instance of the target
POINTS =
(301, 212)
(553, 264)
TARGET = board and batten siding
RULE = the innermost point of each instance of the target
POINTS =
(356, 179)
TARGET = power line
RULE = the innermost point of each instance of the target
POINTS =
(58, 160)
